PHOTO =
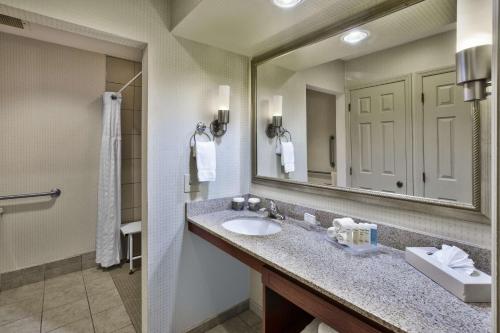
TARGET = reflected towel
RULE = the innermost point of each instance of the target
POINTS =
(287, 157)
(205, 161)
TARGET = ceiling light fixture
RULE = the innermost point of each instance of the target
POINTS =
(355, 36)
(286, 3)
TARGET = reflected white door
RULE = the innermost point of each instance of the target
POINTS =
(447, 139)
(378, 138)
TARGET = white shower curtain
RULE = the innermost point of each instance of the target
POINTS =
(109, 193)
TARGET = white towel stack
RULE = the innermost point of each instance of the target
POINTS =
(316, 326)
(324, 328)
(206, 161)
(287, 157)
(339, 226)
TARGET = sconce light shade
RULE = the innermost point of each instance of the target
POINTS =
(474, 39)
(277, 105)
(218, 127)
(224, 96)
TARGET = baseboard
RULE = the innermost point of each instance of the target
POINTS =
(256, 308)
(46, 271)
(220, 318)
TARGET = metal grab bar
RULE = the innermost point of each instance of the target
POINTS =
(54, 193)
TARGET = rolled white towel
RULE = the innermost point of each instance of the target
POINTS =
(324, 328)
(342, 223)
(312, 327)
(332, 233)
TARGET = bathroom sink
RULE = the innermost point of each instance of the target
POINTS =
(252, 226)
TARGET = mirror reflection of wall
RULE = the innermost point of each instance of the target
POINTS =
(321, 130)
(397, 122)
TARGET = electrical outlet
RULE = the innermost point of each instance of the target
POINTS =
(189, 185)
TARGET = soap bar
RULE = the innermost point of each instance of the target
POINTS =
(469, 288)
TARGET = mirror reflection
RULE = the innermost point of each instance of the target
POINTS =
(374, 108)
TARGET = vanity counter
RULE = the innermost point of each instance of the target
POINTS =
(382, 287)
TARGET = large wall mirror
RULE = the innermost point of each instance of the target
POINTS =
(374, 110)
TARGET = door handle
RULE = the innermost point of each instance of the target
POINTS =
(399, 184)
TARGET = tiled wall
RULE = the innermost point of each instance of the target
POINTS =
(119, 72)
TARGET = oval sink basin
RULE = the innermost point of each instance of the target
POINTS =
(252, 226)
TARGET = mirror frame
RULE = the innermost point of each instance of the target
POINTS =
(463, 211)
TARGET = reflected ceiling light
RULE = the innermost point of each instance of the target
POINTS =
(355, 36)
(286, 3)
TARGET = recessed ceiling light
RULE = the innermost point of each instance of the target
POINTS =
(355, 36)
(286, 3)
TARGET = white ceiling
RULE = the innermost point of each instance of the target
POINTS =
(251, 27)
(418, 21)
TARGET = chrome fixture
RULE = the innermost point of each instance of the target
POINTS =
(355, 36)
(218, 127)
(474, 71)
(286, 3)
(474, 39)
(275, 127)
(200, 130)
(273, 211)
(54, 193)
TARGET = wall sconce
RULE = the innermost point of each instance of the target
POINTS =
(218, 127)
(276, 126)
(474, 39)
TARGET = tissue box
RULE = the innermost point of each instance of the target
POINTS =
(469, 288)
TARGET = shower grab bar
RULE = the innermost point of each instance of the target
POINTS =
(54, 193)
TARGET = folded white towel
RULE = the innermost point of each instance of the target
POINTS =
(312, 327)
(287, 157)
(205, 161)
(324, 328)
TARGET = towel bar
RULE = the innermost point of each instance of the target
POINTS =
(54, 193)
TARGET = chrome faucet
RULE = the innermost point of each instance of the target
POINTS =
(273, 211)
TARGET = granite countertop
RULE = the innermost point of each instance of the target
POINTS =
(381, 286)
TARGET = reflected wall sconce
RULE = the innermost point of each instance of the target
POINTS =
(218, 127)
(474, 39)
(275, 128)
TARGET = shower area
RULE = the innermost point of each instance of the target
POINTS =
(52, 121)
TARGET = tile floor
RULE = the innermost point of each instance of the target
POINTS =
(81, 302)
(246, 322)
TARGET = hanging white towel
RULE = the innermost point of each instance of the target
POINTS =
(287, 157)
(109, 191)
(205, 161)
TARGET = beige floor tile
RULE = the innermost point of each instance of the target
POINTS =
(250, 318)
(104, 301)
(234, 325)
(20, 310)
(67, 294)
(111, 320)
(18, 294)
(94, 273)
(63, 315)
(128, 329)
(64, 281)
(81, 326)
(100, 286)
(26, 325)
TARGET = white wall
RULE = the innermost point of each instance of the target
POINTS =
(274, 80)
(50, 123)
(182, 79)
(422, 55)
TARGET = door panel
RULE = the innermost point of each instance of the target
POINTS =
(447, 139)
(378, 140)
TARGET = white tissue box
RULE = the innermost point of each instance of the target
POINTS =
(469, 288)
